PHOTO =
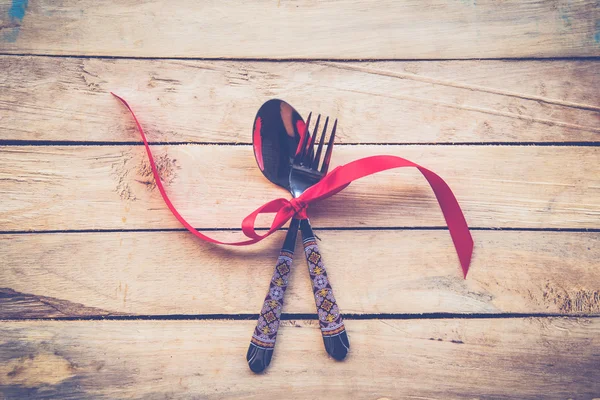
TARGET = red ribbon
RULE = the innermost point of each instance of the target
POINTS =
(334, 182)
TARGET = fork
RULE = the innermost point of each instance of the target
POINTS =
(305, 173)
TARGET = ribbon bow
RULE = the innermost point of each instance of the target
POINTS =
(334, 182)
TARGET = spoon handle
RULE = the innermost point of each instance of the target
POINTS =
(263, 339)
(330, 318)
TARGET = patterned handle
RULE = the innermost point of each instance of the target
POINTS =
(262, 343)
(330, 318)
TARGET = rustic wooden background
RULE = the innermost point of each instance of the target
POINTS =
(104, 295)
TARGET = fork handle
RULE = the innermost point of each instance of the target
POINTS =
(263, 339)
(332, 326)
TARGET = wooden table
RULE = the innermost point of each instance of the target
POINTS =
(104, 295)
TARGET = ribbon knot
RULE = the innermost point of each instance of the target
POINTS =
(300, 207)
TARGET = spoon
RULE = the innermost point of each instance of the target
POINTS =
(276, 136)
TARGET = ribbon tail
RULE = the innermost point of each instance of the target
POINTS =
(342, 176)
(279, 206)
(457, 225)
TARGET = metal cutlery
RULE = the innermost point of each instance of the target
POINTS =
(283, 149)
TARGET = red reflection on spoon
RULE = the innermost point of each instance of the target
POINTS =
(258, 144)
(301, 127)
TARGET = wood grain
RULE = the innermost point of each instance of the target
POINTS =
(16, 305)
(161, 273)
(340, 29)
(196, 73)
(111, 187)
(67, 99)
(553, 358)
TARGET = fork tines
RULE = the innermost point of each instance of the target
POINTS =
(306, 156)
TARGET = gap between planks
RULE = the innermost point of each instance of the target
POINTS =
(288, 60)
(304, 317)
(284, 229)
(25, 143)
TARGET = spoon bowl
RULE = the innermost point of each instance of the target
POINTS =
(276, 135)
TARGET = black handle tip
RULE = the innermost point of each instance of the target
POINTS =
(337, 346)
(258, 358)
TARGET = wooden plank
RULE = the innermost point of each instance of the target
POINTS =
(341, 29)
(111, 187)
(451, 359)
(160, 273)
(67, 99)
